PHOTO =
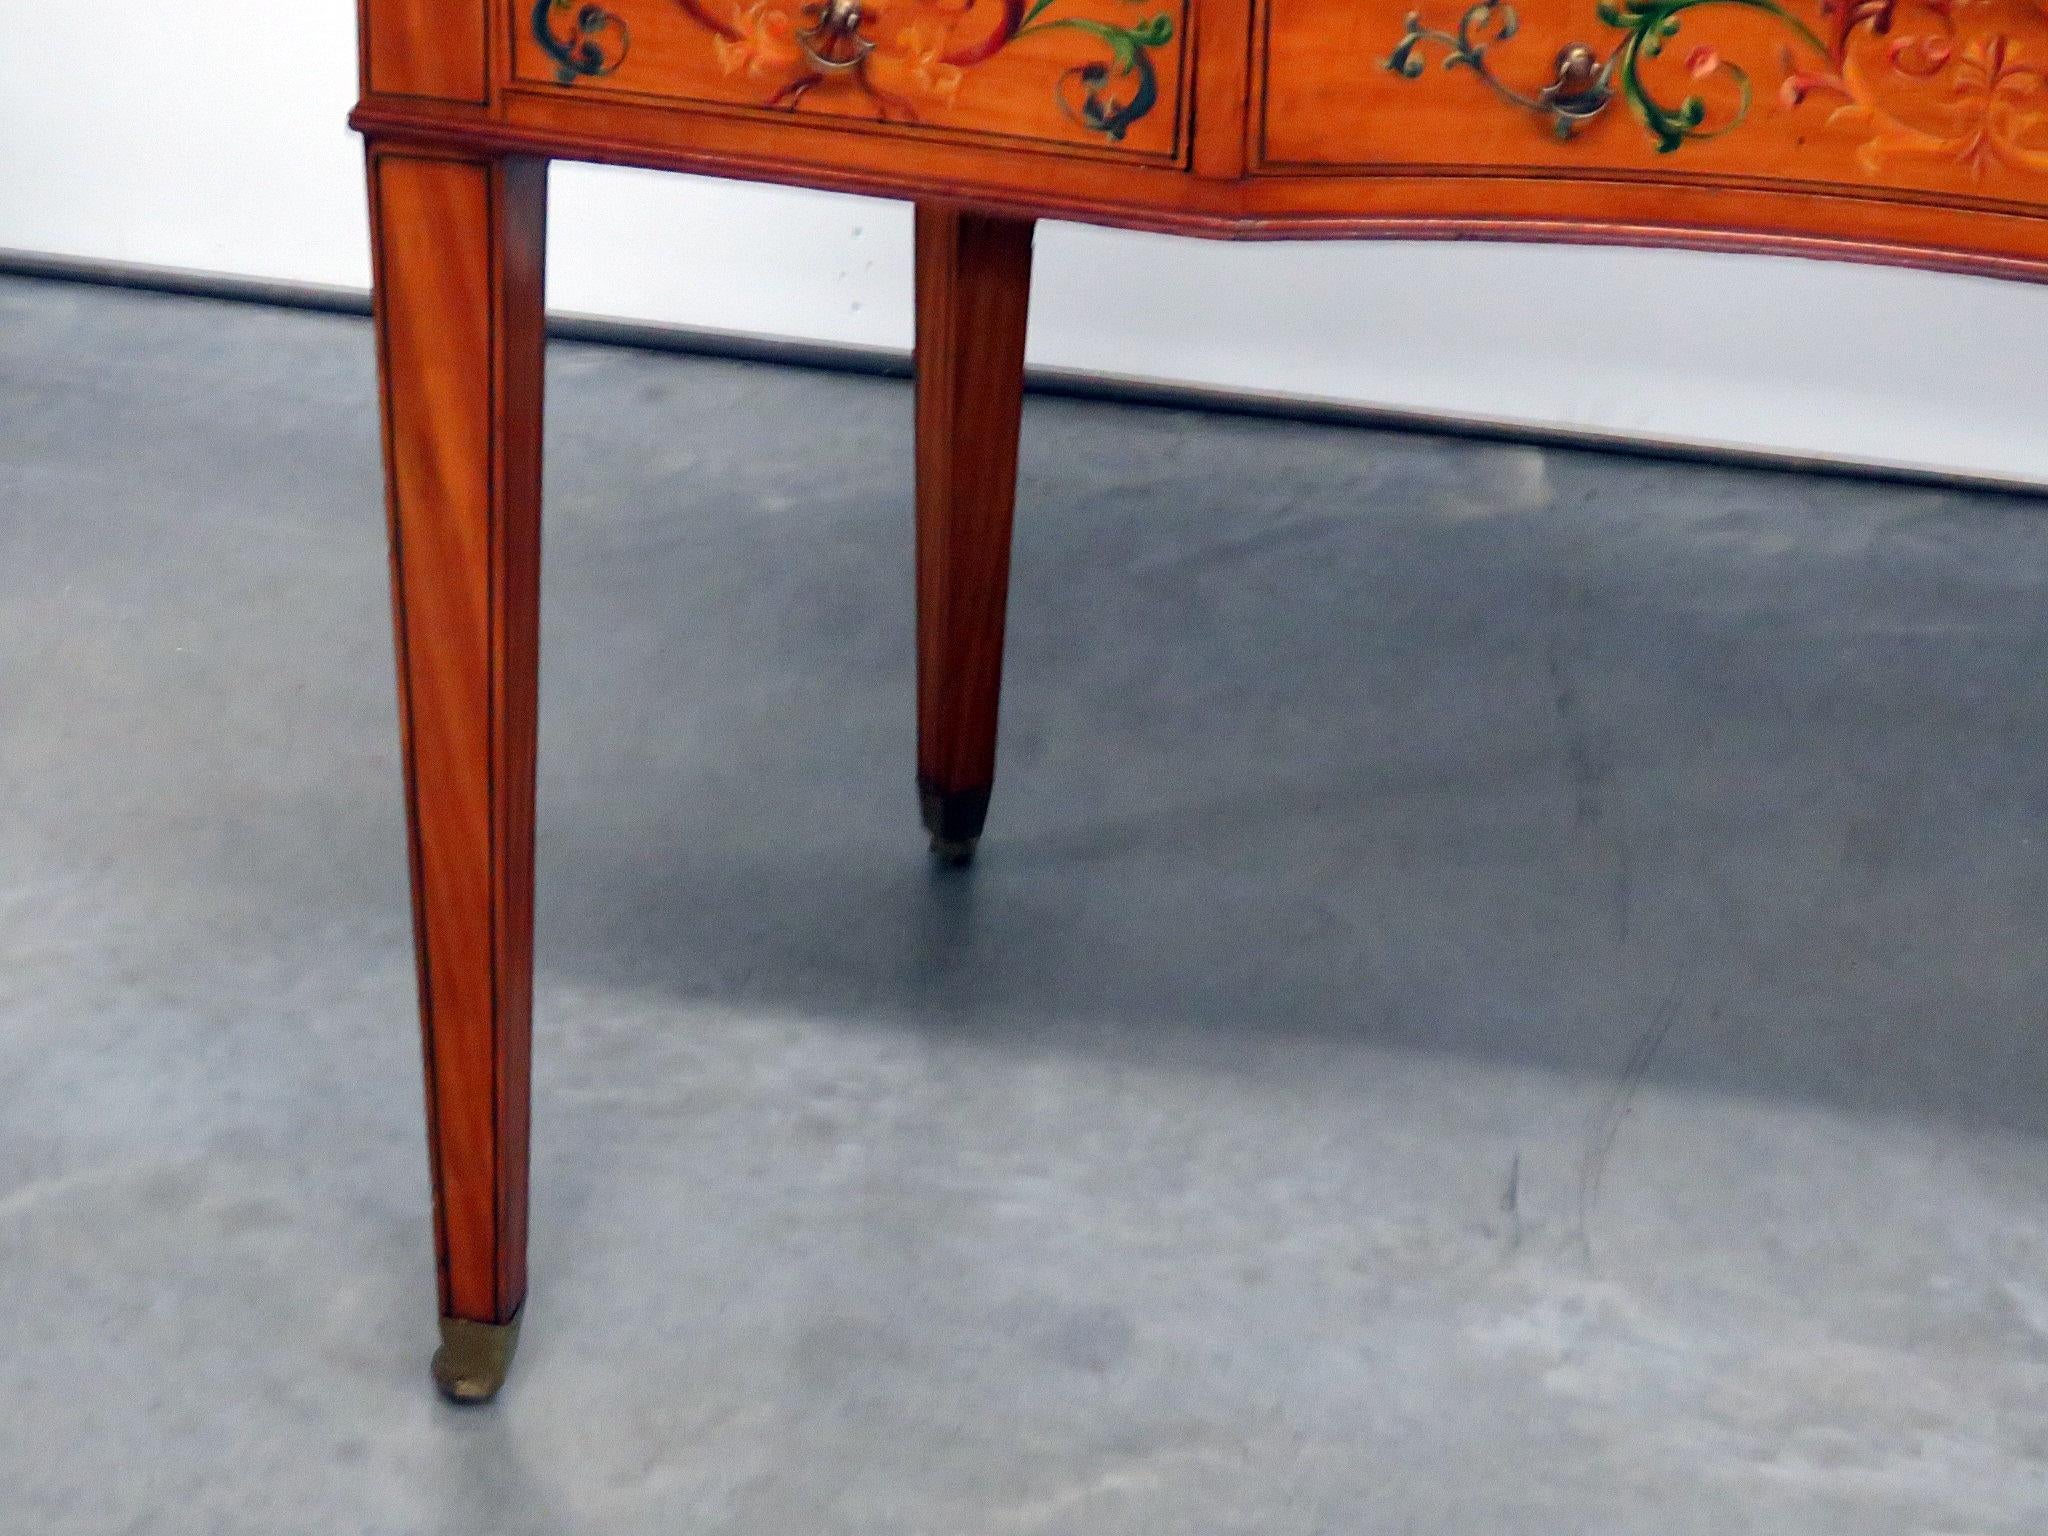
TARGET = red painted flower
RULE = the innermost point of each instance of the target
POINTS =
(1703, 61)
(1801, 83)
(1920, 57)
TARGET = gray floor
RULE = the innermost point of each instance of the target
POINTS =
(1503, 995)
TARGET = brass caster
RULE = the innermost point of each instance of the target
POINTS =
(954, 852)
(471, 1363)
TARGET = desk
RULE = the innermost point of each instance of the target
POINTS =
(1905, 131)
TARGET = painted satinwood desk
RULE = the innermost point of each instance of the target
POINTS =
(1904, 131)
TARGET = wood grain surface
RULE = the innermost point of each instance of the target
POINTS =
(458, 247)
(973, 293)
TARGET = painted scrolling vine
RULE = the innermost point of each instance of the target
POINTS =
(899, 55)
(1958, 81)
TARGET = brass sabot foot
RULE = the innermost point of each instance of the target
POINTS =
(471, 1363)
(954, 852)
(954, 818)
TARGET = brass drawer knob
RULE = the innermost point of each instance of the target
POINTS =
(833, 43)
(1581, 91)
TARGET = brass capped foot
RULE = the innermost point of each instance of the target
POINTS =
(954, 818)
(471, 1363)
(954, 852)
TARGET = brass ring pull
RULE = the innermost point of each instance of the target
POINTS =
(838, 27)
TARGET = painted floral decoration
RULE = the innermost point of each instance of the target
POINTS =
(897, 58)
(1963, 82)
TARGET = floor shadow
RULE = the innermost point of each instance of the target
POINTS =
(1309, 733)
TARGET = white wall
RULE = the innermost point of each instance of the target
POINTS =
(211, 137)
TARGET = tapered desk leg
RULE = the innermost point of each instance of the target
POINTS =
(459, 246)
(973, 291)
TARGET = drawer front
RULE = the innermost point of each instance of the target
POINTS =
(1942, 99)
(1095, 76)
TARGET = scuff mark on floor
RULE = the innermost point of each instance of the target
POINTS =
(1590, 773)
(1604, 1125)
(1511, 1203)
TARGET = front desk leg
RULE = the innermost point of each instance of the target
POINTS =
(459, 247)
(973, 290)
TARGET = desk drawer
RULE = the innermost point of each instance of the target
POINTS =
(1888, 98)
(1094, 76)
